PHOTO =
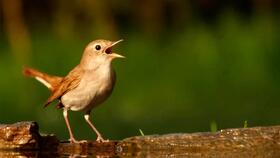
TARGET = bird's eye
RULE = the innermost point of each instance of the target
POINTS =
(98, 47)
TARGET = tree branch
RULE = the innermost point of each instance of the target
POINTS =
(240, 142)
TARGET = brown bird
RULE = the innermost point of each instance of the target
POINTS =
(89, 84)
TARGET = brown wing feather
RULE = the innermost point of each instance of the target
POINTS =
(68, 83)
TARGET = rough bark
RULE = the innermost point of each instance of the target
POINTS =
(242, 142)
(22, 135)
(23, 139)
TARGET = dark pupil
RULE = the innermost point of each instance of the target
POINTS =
(97, 47)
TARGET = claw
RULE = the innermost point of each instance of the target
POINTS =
(101, 140)
(73, 140)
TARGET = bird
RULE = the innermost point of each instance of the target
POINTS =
(87, 85)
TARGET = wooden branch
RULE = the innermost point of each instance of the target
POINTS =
(22, 135)
(24, 138)
(241, 142)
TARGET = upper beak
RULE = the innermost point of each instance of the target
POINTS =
(114, 43)
(115, 55)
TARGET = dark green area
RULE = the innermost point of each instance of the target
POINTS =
(180, 80)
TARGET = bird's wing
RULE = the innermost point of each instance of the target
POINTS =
(71, 81)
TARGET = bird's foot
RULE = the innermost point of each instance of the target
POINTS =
(73, 140)
(101, 140)
(83, 141)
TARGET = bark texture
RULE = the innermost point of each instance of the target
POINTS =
(23, 139)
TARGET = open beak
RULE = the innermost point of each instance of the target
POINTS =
(112, 54)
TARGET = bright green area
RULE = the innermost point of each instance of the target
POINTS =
(245, 124)
(178, 81)
(141, 132)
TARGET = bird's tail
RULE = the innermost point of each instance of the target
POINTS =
(49, 81)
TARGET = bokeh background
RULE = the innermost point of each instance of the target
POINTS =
(191, 66)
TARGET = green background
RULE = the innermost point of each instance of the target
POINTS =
(189, 64)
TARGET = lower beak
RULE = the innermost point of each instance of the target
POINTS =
(115, 55)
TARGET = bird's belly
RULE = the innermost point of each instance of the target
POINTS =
(86, 96)
(77, 99)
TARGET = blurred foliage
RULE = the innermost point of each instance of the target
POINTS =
(188, 63)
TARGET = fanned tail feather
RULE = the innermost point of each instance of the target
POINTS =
(51, 82)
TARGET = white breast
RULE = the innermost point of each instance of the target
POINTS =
(93, 89)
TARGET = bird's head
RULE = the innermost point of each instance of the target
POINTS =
(99, 52)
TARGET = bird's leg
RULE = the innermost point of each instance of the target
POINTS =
(99, 136)
(65, 115)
